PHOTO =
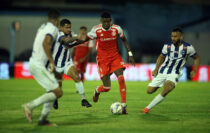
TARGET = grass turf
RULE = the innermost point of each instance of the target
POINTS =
(185, 110)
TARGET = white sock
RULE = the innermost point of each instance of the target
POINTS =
(80, 89)
(155, 101)
(47, 97)
(124, 104)
(46, 110)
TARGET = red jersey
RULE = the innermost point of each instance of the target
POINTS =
(81, 50)
(106, 40)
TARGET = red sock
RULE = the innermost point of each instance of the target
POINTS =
(103, 89)
(122, 88)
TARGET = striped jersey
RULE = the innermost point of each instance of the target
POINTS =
(38, 55)
(61, 55)
(176, 57)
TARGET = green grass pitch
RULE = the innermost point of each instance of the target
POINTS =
(185, 110)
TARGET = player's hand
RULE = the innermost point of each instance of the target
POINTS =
(192, 74)
(131, 60)
(154, 72)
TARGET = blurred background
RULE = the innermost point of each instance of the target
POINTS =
(147, 25)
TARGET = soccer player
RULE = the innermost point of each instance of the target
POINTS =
(63, 61)
(81, 53)
(169, 67)
(108, 59)
(45, 36)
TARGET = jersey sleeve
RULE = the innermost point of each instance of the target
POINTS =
(164, 50)
(91, 43)
(52, 32)
(192, 52)
(60, 35)
(92, 34)
(120, 32)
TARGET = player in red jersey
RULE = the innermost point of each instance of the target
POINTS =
(108, 59)
(81, 53)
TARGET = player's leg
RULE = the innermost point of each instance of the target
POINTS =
(102, 88)
(55, 104)
(59, 77)
(122, 85)
(72, 72)
(46, 80)
(83, 69)
(168, 87)
(151, 89)
(45, 112)
(156, 83)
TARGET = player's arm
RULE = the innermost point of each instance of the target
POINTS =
(159, 62)
(47, 49)
(131, 59)
(67, 40)
(69, 43)
(196, 65)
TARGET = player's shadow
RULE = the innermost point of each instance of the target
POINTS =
(155, 117)
(89, 119)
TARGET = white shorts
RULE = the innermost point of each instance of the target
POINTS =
(66, 68)
(160, 79)
(45, 78)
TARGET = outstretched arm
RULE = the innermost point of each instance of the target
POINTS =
(196, 65)
(78, 42)
(159, 62)
(68, 40)
(131, 59)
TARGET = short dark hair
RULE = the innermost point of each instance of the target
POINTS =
(105, 15)
(177, 29)
(65, 21)
(83, 27)
(53, 14)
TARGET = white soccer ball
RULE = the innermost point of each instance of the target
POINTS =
(116, 108)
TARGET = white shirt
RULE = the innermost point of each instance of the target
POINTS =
(176, 57)
(39, 56)
(61, 55)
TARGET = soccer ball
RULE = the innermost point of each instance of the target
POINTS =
(116, 108)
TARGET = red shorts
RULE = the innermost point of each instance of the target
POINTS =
(108, 66)
(81, 67)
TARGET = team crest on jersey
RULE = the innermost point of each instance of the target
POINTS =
(122, 63)
(99, 31)
(102, 34)
(183, 52)
(113, 33)
(113, 30)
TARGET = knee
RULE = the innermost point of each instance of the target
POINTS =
(58, 92)
(169, 85)
(150, 90)
(76, 78)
